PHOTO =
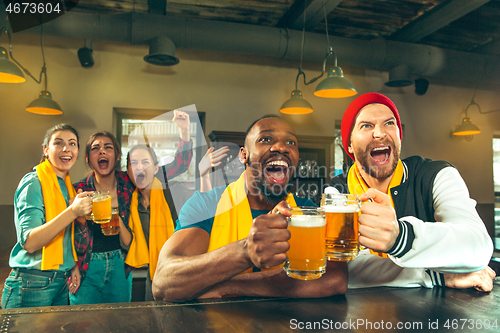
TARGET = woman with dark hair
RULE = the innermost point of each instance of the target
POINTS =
(46, 204)
(101, 258)
(155, 205)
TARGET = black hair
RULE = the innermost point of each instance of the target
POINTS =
(256, 121)
(57, 128)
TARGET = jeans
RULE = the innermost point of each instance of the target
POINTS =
(23, 289)
(105, 281)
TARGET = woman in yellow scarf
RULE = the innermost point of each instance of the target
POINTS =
(45, 203)
(155, 205)
(105, 278)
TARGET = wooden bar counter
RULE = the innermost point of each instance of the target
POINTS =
(380, 309)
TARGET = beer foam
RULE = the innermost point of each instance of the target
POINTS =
(331, 190)
(307, 221)
(99, 199)
(341, 209)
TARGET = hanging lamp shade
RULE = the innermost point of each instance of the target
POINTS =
(44, 105)
(335, 85)
(9, 72)
(296, 104)
(467, 128)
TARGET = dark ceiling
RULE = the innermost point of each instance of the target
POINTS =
(453, 42)
(462, 25)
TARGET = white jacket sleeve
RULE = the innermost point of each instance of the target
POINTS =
(458, 242)
(368, 270)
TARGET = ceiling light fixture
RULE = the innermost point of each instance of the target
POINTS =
(467, 128)
(44, 103)
(297, 104)
(9, 71)
(334, 86)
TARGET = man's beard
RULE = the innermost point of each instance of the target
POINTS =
(375, 171)
(271, 194)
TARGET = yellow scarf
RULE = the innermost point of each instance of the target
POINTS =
(233, 217)
(55, 204)
(358, 186)
(161, 227)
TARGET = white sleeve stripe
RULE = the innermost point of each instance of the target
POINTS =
(405, 173)
(432, 277)
(403, 239)
(400, 246)
(436, 278)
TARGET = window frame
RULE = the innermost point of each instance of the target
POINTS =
(147, 114)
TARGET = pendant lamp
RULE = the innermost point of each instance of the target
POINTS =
(44, 105)
(296, 104)
(10, 72)
(467, 128)
(334, 86)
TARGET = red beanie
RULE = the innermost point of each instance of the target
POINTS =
(353, 109)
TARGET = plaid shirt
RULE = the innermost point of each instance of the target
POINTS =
(124, 187)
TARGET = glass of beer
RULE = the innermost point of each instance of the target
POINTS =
(306, 256)
(101, 207)
(342, 236)
(89, 216)
(112, 227)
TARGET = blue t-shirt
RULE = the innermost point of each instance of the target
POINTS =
(29, 213)
(199, 210)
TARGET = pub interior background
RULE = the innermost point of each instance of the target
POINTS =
(233, 89)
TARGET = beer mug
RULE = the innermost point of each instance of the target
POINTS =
(89, 217)
(101, 207)
(306, 256)
(112, 227)
(342, 235)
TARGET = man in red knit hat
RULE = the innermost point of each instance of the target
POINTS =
(418, 223)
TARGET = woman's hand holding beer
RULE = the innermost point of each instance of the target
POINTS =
(378, 224)
(267, 241)
(82, 204)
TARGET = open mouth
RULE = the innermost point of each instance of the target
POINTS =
(277, 171)
(65, 159)
(380, 155)
(139, 178)
(103, 163)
